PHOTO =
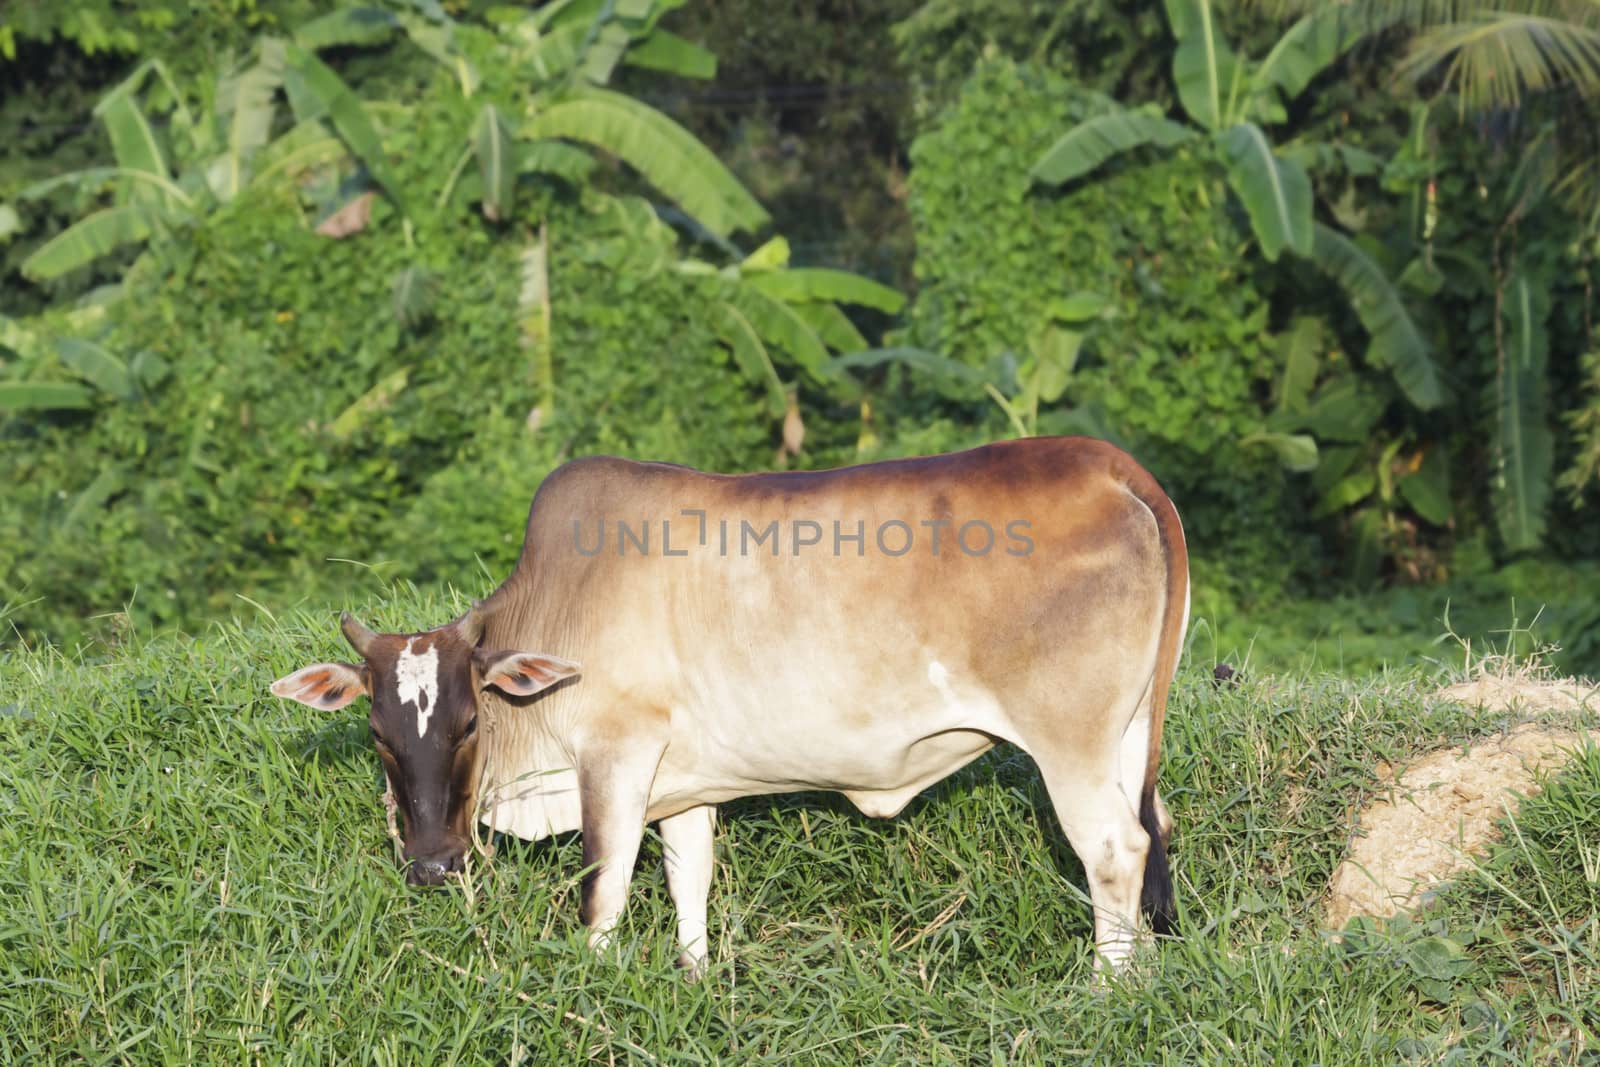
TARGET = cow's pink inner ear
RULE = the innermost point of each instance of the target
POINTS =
(326, 686)
(522, 674)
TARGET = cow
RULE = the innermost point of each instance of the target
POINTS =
(867, 630)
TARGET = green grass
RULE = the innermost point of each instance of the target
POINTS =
(1530, 607)
(199, 873)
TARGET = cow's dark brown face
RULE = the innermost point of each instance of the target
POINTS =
(424, 723)
(425, 691)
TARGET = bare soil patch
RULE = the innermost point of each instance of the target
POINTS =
(1441, 809)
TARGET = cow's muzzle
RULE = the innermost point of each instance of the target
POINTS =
(432, 870)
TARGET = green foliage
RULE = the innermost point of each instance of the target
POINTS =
(578, 43)
(1019, 389)
(1099, 43)
(1531, 607)
(216, 155)
(1253, 393)
(1388, 277)
(1485, 247)
(174, 28)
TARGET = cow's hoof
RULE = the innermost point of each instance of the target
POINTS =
(693, 967)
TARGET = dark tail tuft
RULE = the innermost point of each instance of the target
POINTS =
(1157, 897)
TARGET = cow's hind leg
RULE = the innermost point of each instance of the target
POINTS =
(1104, 831)
(687, 847)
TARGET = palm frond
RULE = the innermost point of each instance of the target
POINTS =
(1496, 58)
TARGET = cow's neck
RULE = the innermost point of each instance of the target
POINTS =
(528, 785)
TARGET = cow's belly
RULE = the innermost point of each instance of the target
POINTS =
(879, 758)
(928, 761)
(879, 782)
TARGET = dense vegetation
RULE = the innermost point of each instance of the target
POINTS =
(1346, 328)
(291, 284)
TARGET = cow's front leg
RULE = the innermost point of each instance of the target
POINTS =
(614, 792)
(686, 845)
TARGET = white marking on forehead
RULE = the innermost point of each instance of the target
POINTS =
(416, 679)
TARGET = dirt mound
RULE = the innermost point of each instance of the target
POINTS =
(1442, 808)
(1523, 694)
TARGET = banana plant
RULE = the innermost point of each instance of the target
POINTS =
(30, 364)
(1017, 386)
(768, 313)
(1379, 483)
(1494, 56)
(213, 160)
(1228, 100)
(1524, 447)
(559, 61)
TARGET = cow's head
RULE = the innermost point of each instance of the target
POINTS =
(425, 691)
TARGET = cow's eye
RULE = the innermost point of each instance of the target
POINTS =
(376, 736)
(472, 728)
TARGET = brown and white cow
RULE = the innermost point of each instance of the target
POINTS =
(867, 630)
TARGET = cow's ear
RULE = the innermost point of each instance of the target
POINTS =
(326, 686)
(522, 674)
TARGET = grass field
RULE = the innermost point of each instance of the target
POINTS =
(196, 872)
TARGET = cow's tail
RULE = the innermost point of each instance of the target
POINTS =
(1157, 897)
